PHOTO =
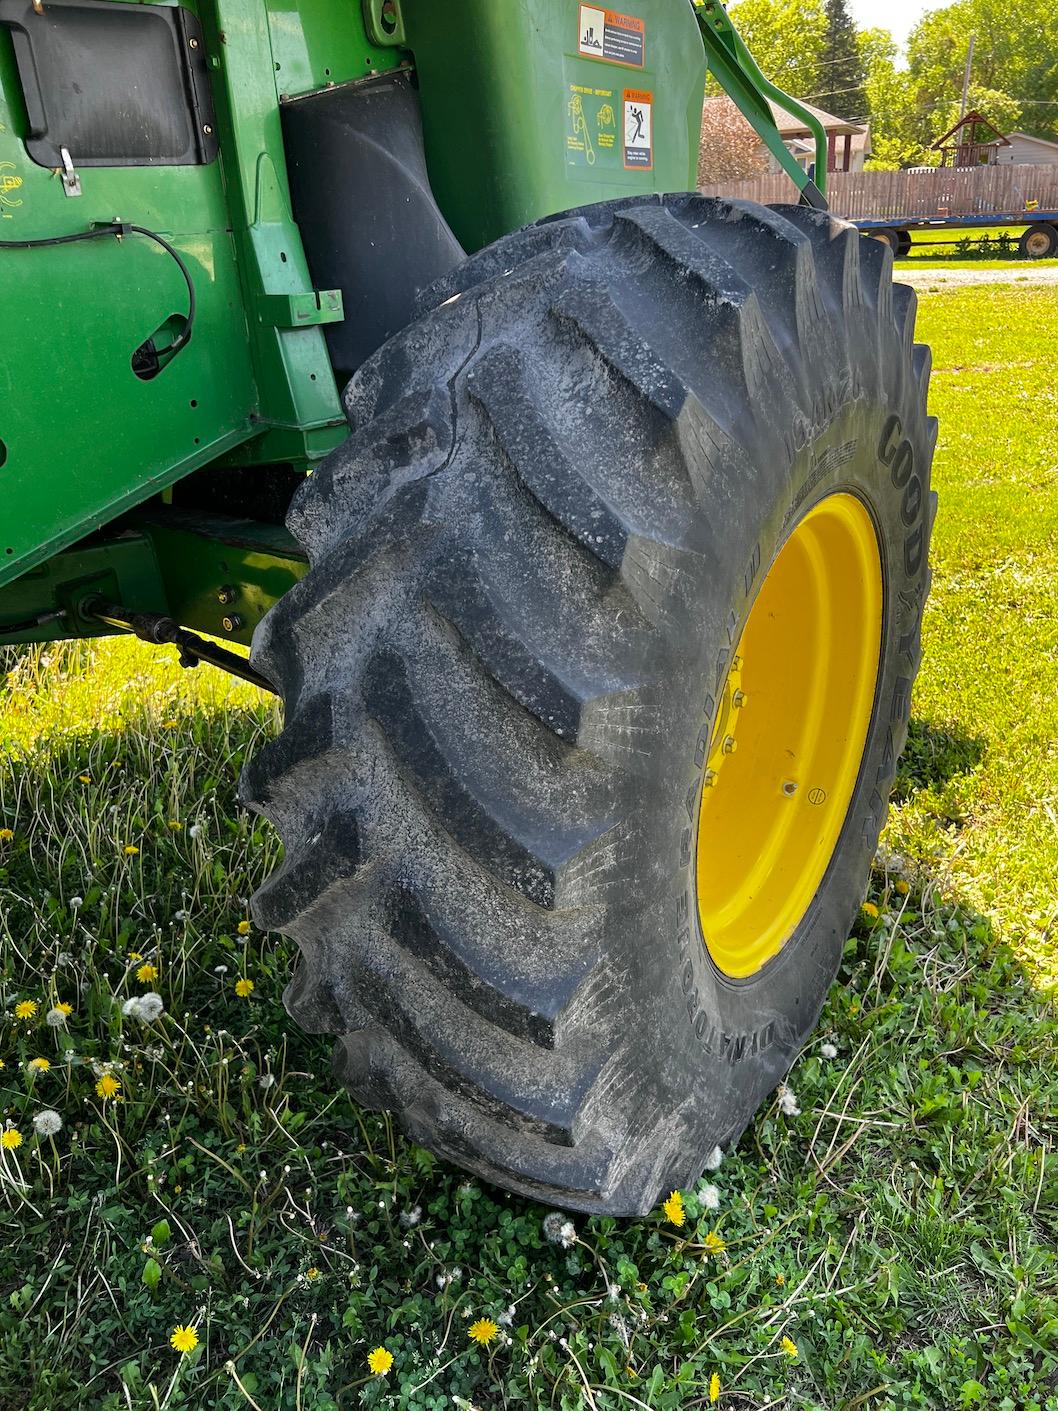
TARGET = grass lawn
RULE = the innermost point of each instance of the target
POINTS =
(926, 254)
(892, 1246)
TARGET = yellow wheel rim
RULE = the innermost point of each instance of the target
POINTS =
(790, 735)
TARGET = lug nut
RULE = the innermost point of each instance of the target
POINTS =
(225, 596)
(709, 778)
(730, 744)
(232, 623)
(739, 699)
(789, 788)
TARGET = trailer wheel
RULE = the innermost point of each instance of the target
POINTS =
(1039, 242)
(596, 687)
(895, 239)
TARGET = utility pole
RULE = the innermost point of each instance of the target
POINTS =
(966, 78)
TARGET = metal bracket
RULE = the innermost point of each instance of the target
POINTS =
(301, 310)
(384, 20)
(71, 182)
(739, 75)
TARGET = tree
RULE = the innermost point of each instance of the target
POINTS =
(786, 38)
(730, 150)
(840, 88)
(898, 136)
(1015, 55)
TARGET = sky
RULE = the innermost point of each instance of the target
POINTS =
(898, 16)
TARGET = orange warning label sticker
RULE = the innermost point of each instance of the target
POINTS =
(638, 129)
(609, 35)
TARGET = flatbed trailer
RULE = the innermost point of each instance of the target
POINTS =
(1038, 240)
(891, 204)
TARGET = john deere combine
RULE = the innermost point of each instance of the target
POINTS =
(588, 551)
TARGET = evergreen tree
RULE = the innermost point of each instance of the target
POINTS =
(840, 87)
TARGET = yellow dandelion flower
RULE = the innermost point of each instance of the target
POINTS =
(713, 1243)
(170, 724)
(175, 824)
(183, 1339)
(11, 1138)
(146, 973)
(40, 1065)
(312, 1273)
(25, 1009)
(714, 1387)
(380, 1361)
(134, 955)
(901, 888)
(64, 1009)
(108, 1086)
(483, 1331)
(6, 835)
(780, 1279)
(789, 1347)
(131, 849)
(673, 1209)
(243, 928)
(869, 910)
(85, 778)
(2, 1063)
(244, 988)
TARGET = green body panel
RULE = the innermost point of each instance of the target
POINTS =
(83, 439)
(520, 124)
(522, 117)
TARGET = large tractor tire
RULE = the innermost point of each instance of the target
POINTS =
(596, 687)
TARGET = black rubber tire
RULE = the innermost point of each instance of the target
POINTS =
(565, 482)
(905, 244)
(1032, 240)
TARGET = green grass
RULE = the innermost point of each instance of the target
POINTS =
(979, 249)
(901, 1231)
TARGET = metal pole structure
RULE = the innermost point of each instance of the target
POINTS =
(966, 78)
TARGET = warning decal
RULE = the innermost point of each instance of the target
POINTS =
(638, 129)
(617, 38)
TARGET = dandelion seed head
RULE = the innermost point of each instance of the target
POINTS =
(714, 1160)
(788, 1104)
(47, 1123)
(552, 1226)
(709, 1197)
(829, 1051)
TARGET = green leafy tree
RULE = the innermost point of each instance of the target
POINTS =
(841, 69)
(1015, 55)
(786, 38)
(898, 136)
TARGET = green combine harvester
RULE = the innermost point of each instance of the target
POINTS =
(582, 528)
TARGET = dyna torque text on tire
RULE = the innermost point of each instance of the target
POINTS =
(596, 687)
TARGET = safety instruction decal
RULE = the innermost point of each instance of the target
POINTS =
(609, 35)
(638, 130)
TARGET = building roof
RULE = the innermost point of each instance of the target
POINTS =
(1028, 137)
(790, 126)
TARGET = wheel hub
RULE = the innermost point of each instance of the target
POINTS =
(789, 737)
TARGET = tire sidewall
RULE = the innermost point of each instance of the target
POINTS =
(731, 1041)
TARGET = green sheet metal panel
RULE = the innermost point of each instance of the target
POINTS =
(535, 106)
(83, 436)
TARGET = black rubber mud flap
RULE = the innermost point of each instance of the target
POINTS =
(563, 487)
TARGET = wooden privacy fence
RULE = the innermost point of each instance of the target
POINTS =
(912, 195)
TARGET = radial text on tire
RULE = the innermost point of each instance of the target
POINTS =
(569, 906)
